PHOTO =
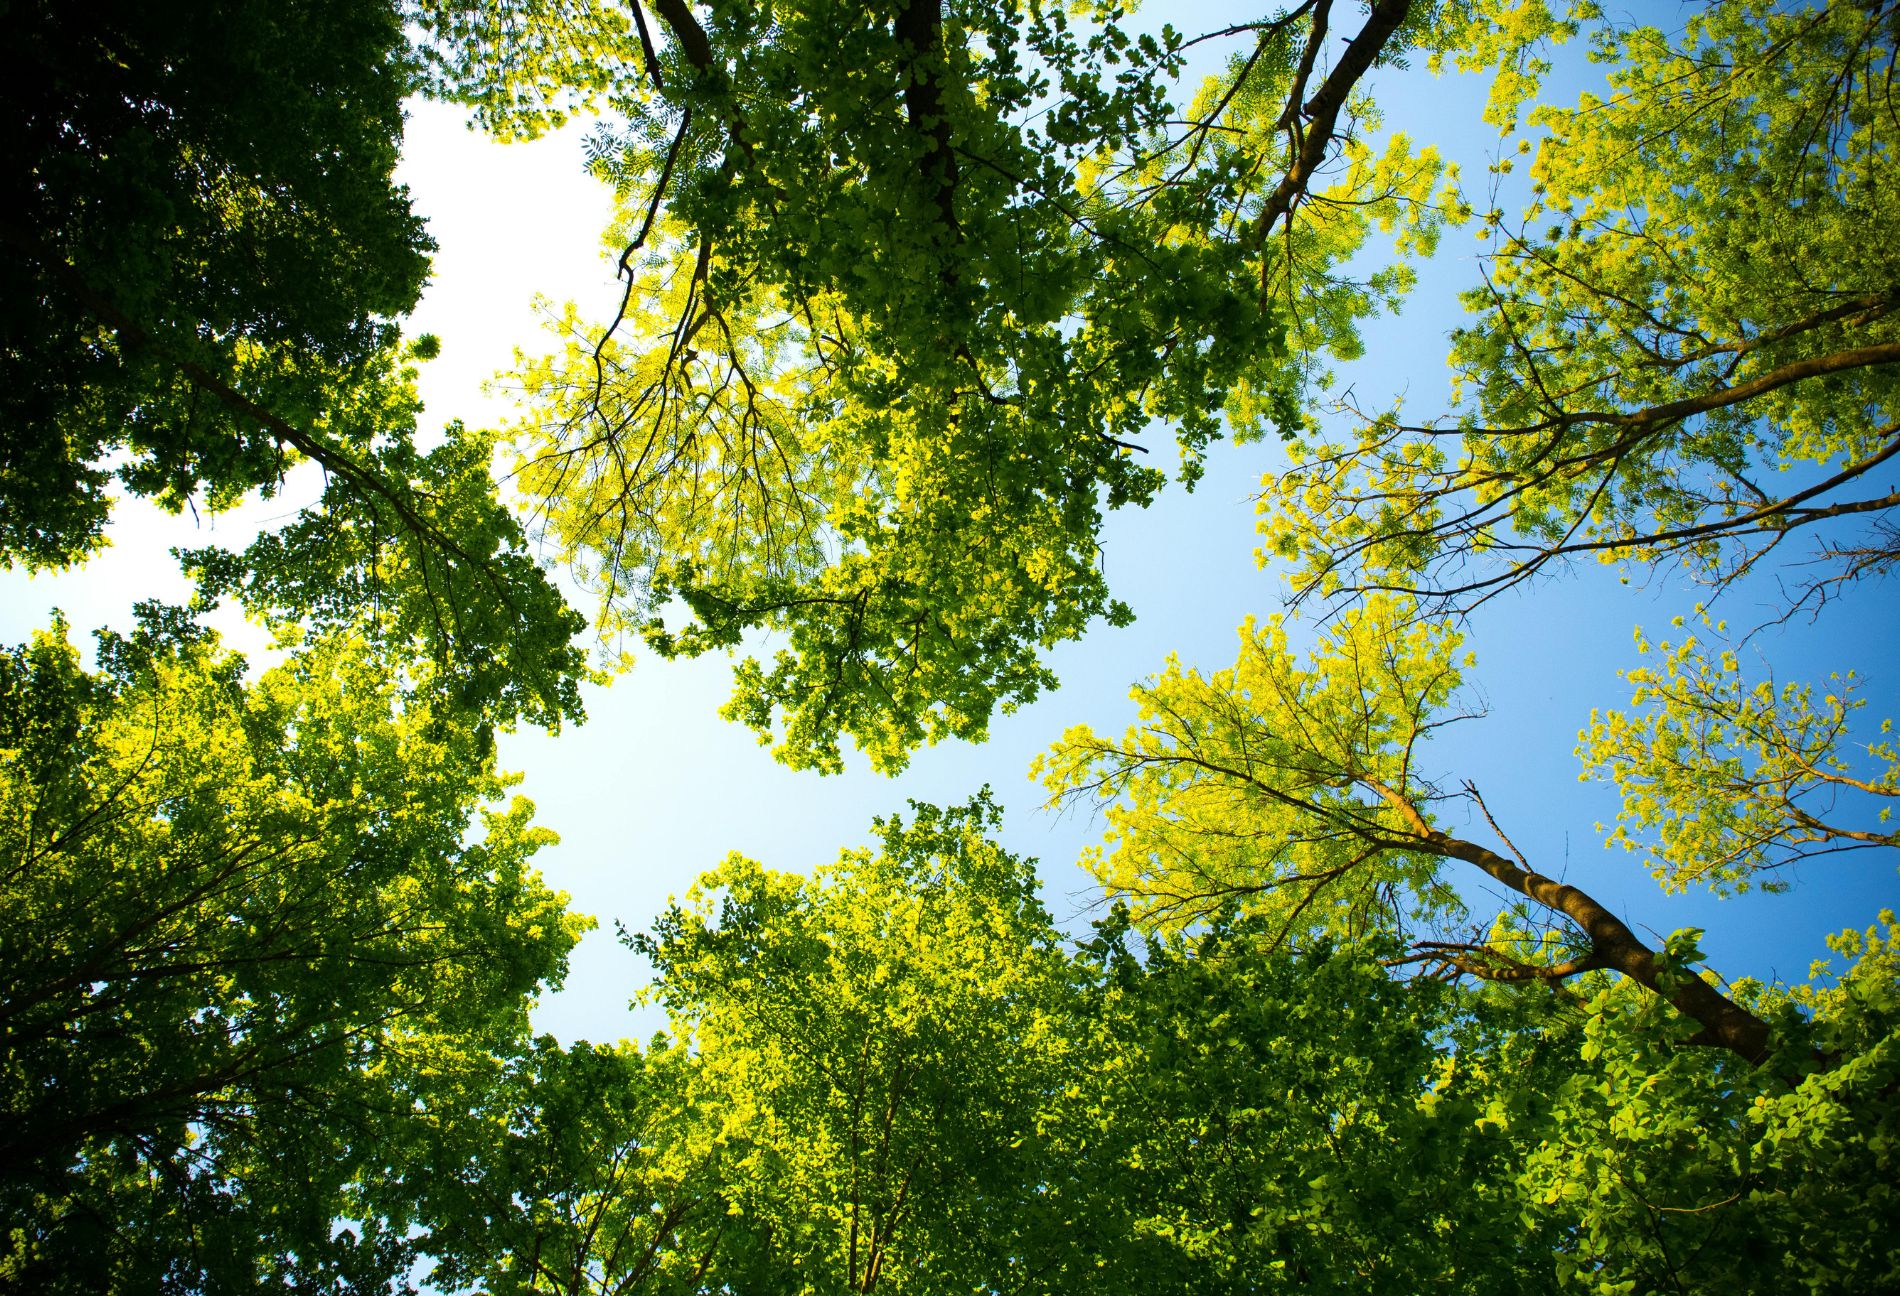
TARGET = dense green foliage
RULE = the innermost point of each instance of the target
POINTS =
(241, 921)
(894, 338)
(195, 196)
(836, 1108)
(909, 288)
(877, 1037)
(206, 265)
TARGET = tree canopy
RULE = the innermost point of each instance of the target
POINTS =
(907, 289)
(243, 922)
(835, 1110)
(1683, 346)
(909, 292)
(207, 267)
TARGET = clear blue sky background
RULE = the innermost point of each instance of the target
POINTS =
(655, 788)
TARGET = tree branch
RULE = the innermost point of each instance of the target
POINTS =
(1725, 1023)
(1322, 110)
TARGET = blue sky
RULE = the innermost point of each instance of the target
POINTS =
(656, 788)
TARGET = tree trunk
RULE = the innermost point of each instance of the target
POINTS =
(1725, 1023)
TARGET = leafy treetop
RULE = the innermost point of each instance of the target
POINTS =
(245, 922)
(906, 288)
(1698, 299)
(207, 260)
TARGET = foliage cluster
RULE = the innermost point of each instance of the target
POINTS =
(207, 262)
(909, 289)
(247, 925)
(893, 340)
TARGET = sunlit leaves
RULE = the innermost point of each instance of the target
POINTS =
(1727, 776)
(908, 294)
(878, 1040)
(1258, 787)
(1697, 298)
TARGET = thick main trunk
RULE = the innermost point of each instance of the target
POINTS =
(693, 42)
(1725, 1023)
(919, 28)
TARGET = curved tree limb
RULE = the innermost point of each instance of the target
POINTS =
(1323, 109)
(1725, 1023)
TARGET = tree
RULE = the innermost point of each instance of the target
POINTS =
(206, 264)
(236, 917)
(892, 337)
(1298, 793)
(197, 198)
(878, 1040)
(587, 1169)
(1666, 362)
